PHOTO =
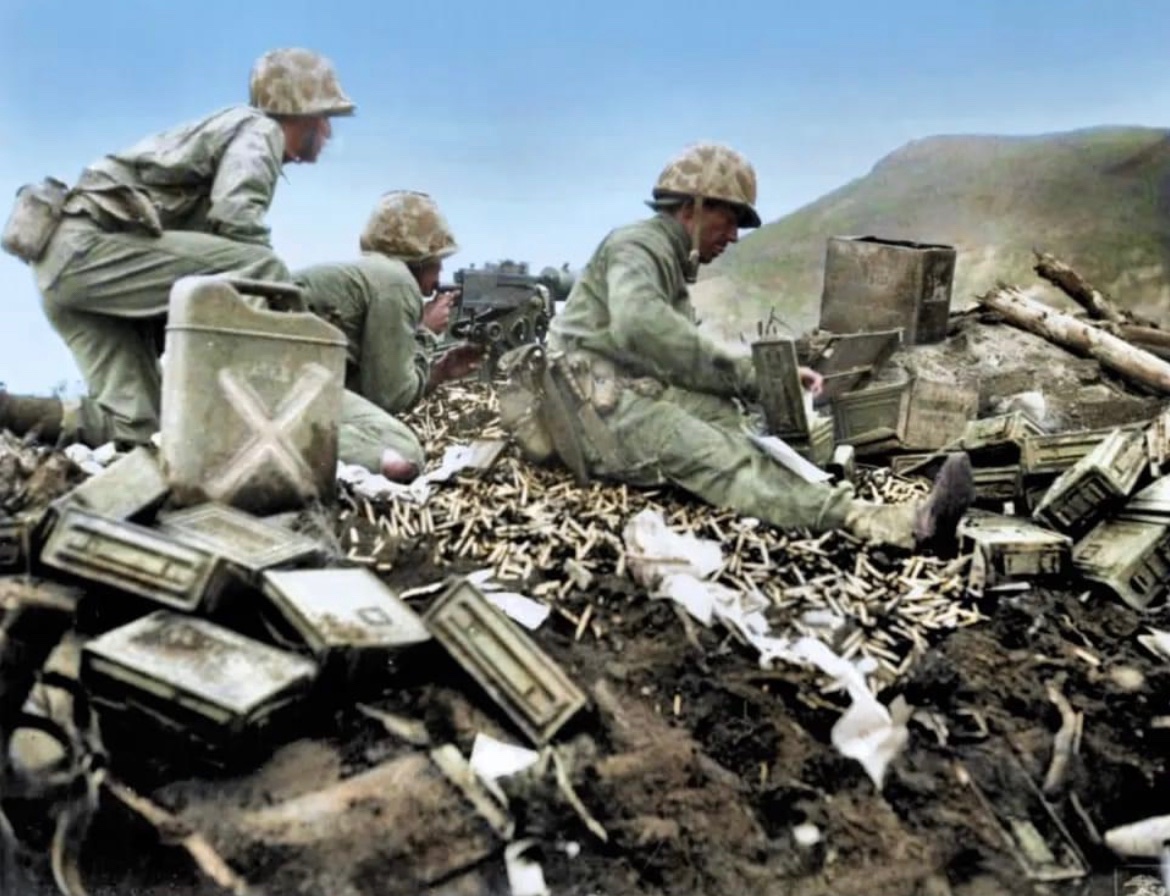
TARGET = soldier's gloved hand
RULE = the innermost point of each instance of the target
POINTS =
(436, 315)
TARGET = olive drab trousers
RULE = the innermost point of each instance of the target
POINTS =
(367, 430)
(106, 293)
(698, 442)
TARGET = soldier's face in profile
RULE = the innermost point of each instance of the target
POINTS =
(306, 138)
(719, 230)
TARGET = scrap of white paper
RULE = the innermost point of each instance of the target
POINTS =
(785, 454)
(493, 758)
(525, 876)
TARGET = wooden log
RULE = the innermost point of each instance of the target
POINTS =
(1075, 287)
(1064, 330)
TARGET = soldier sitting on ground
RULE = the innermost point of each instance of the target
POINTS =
(378, 302)
(188, 201)
(652, 398)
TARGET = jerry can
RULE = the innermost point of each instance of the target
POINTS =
(251, 400)
(873, 283)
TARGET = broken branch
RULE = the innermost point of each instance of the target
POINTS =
(1064, 330)
(1075, 287)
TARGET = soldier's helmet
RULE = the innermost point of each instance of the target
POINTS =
(408, 225)
(295, 81)
(712, 171)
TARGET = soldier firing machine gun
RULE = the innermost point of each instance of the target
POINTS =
(502, 306)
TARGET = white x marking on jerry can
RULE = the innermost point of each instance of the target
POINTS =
(270, 434)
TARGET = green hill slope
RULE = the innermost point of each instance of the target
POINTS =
(1097, 198)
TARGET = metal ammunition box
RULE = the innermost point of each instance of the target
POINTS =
(173, 674)
(130, 488)
(135, 559)
(1053, 454)
(531, 688)
(1007, 549)
(1095, 485)
(938, 412)
(1151, 504)
(13, 538)
(997, 485)
(818, 447)
(998, 440)
(1130, 557)
(250, 544)
(916, 464)
(874, 413)
(872, 283)
(848, 361)
(782, 397)
(348, 619)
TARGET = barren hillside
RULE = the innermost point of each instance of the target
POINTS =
(1098, 198)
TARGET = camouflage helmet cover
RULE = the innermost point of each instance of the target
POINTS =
(408, 225)
(297, 82)
(715, 172)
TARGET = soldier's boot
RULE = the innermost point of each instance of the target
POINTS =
(20, 414)
(917, 525)
(397, 468)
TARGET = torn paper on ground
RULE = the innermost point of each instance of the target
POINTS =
(493, 758)
(674, 565)
(520, 608)
(525, 876)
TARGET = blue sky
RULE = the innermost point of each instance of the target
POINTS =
(537, 126)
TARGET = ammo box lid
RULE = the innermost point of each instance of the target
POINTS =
(249, 542)
(348, 607)
(1009, 532)
(199, 660)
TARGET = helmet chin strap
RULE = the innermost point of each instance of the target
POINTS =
(691, 274)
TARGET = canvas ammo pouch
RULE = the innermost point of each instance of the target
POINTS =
(34, 218)
(519, 397)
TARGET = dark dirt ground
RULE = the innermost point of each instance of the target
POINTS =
(697, 764)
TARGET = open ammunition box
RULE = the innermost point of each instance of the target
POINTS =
(531, 688)
(1130, 557)
(130, 488)
(250, 544)
(1151, 504)
(135, 559)
(818, 447)
(1007, 549)
(1045, 455)
(847, 360)
(348, 619)
(1094, 486)
(997, 485)
(874, 413)
(995, 441)
(173, 674)
(785, 403)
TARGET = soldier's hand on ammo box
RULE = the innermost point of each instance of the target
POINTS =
(436, 315)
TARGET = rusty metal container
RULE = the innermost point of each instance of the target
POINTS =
(251, 401)
(938, 411)
(873, 283)
(875, 412)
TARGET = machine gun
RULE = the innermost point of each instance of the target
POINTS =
(503, 306)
